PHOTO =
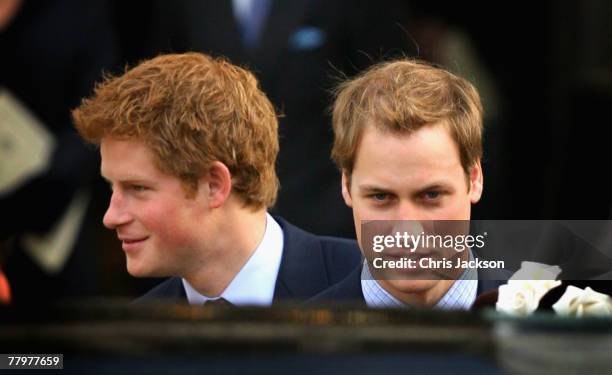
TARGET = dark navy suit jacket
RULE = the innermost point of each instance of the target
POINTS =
(348, 291)
(309, 265)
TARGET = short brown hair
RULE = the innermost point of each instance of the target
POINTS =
(403, 96)
(191, 109)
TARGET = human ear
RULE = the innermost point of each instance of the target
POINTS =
(476, 182)
(219, 184)
(346, 189)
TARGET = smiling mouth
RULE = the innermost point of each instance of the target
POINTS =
(131, 244)
(132, 241)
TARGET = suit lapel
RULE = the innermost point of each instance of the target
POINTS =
(350, 287)
(302, 271)
(170, 290)
(175, 288)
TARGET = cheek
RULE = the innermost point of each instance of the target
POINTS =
(458, 208)
(363, 211)
(358, 216)
(169, 225)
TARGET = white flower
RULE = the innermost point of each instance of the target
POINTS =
(522, 294)
(578, 302)
(521, 297)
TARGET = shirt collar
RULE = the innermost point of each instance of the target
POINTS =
(462, 294)
(254, 284)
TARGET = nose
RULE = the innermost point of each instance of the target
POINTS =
(411, 218)
(116, 214)
(406, 211)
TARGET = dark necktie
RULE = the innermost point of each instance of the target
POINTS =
(218, 302)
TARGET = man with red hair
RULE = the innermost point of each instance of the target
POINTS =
(189, 146)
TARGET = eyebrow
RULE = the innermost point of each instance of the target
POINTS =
(372, 188)
(436, 186)
(431, 186)
(127, 179)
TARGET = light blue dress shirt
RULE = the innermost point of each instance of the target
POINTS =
(255, 282)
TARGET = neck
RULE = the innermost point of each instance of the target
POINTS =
(232, 241)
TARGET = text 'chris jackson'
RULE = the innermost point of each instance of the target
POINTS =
(429, 263)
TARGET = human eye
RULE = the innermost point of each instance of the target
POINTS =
(432, 197)
(379, 197)
(138, 188)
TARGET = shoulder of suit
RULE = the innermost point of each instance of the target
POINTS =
(326, 241)
(345, 291)
(170, 288)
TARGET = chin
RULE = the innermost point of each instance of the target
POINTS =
(144, 270)
(138, 271)
(412, 286)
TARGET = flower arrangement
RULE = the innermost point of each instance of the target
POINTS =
(524, 292)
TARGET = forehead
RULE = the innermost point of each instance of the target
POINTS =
(408, 158)
(123, 159)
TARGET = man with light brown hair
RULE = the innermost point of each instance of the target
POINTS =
(408, 141)
(188, 145)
